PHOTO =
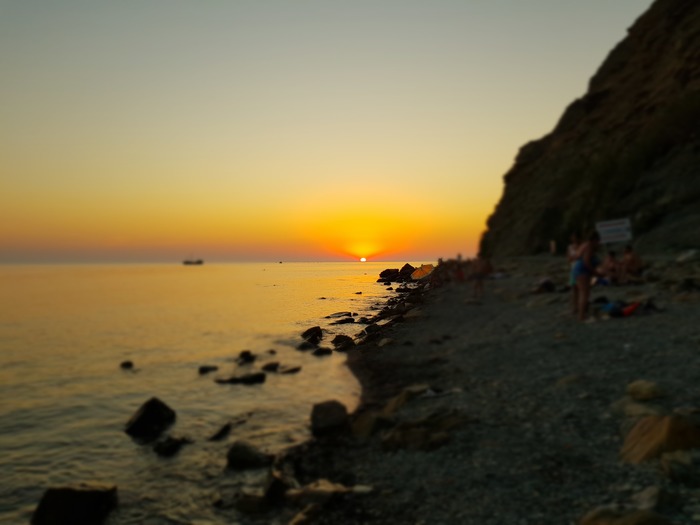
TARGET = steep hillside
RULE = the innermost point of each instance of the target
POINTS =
(630, 147)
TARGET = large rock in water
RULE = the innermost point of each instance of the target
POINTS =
(243, 455)
(149, 421)
(79, 505)
(629, 147)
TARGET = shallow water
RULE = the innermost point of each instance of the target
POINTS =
(64, 400)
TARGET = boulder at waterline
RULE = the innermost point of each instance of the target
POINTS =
(271, 367)
(221, 433)
(84, 504)
(329, 417)
(205, 369)
(246, 379)
(126, 365)
(313, 335)
(341, 342)
(244, 455)
(322, 351)
(170, 446)
(245, 357)
(150, 420)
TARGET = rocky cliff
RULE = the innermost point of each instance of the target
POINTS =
(630, 147)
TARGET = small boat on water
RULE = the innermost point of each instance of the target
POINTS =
(192, 262)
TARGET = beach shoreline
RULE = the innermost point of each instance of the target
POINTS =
(516, 411)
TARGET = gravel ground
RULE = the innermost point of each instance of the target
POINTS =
(538, 439)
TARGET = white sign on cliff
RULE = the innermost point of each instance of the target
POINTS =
(619, 230)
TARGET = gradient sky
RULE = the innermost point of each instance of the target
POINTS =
(277, 130)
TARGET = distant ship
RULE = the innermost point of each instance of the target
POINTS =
(192, 262)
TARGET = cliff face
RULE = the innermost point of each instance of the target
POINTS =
(630, 147)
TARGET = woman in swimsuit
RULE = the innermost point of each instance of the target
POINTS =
(582, 271)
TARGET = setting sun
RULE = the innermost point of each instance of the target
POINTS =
(363, 259)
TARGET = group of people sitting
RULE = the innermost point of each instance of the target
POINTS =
(587, 270)
(626, 270)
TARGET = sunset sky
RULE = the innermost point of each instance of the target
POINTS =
(260, 130)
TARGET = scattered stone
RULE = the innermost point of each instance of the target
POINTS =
(243, 455)
(345, 320)
(629, 408)
(342, 342)
(250, 501)
(329, 418)
(308, 515)
(277, 484)
(322, 351)
(206, 369)
(653, 498)
(289, 370)
(358, 293)
(406, 395)
(127, 365)
(423, 434)
(246, 379)
(654, 435)
(689, 256)
(319, 492)
(614, 516)
(643, 390)
(245, 357)
(170, 446)
(313, 335)
(271, 367)
(368, 423)
(338, 315)
(150, 420)
(682, 466)
(84, 504)
(221, 433)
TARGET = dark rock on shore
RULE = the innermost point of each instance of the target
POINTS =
(343, 342)
(345, 320)
(329, 418)
(245, 357)
(205, 369)
(306, 345)
(322, 351)
(126, 365)
(338, 315)
(243, 455)
(221, 433)
(150, 420)
(84, 504)
(271, 367)
(289, 369)
(246, 379)
(313, 335)
(394, 275)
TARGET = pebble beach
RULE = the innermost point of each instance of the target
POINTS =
(509, 411)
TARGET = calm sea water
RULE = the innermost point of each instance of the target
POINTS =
(64, 399)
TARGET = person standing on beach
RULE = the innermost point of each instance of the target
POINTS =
(571, 256)
(583, 271)
(480, 269)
